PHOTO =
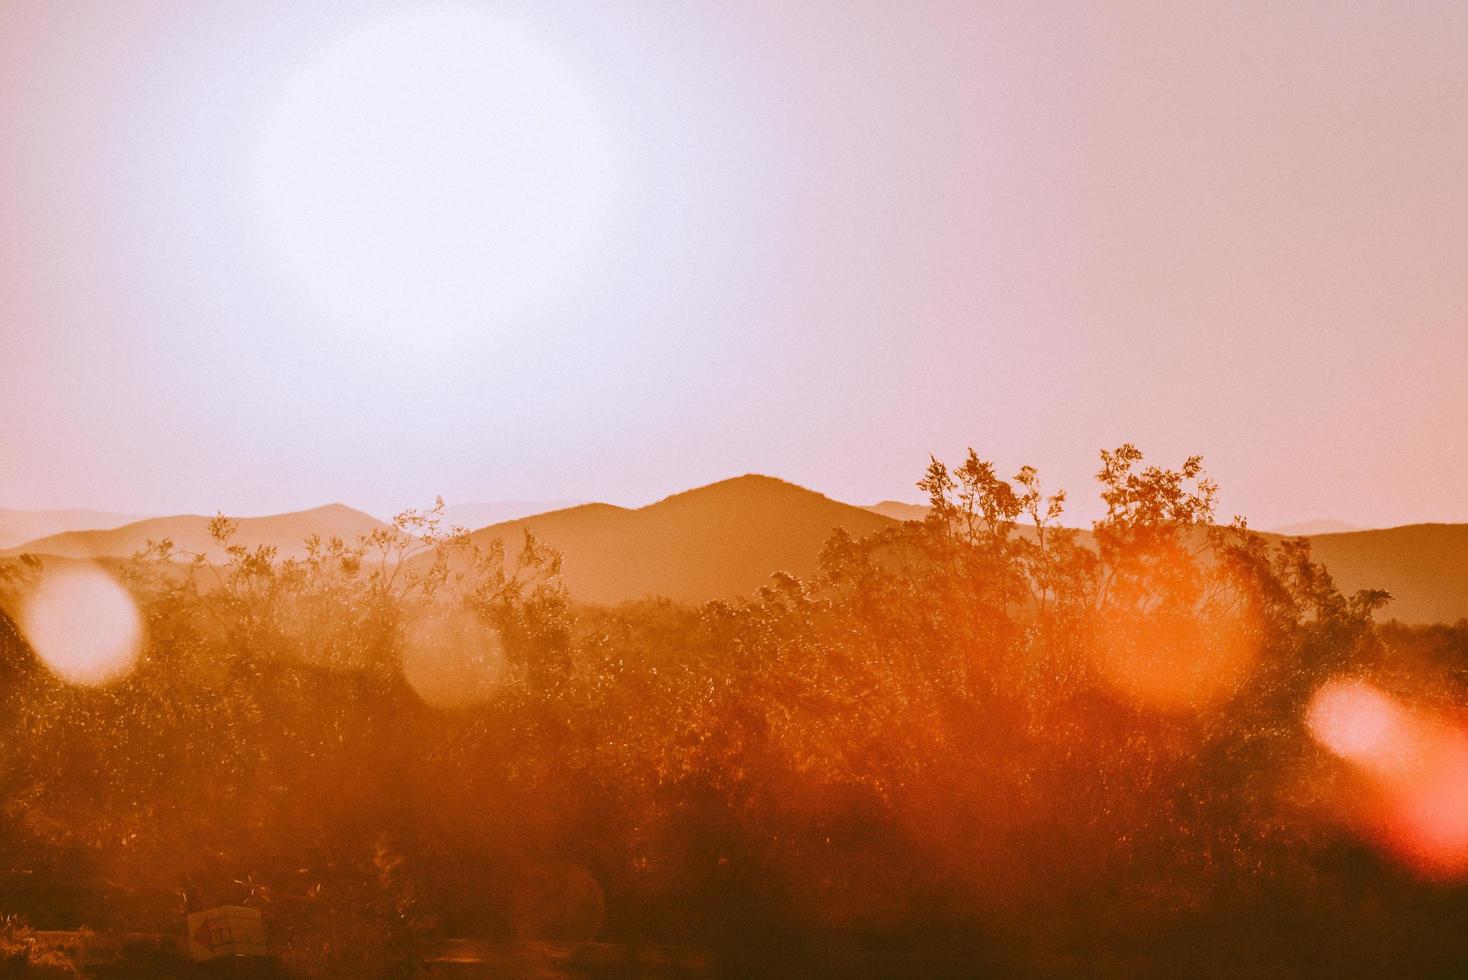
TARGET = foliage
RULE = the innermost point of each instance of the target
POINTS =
(961, 728)
(26, 953)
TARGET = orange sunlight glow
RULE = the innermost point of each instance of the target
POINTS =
(1417, 767)
(83, 625)
(452, 659)
(1175, 665)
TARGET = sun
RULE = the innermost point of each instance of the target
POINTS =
(435, 171)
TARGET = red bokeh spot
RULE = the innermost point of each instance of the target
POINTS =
(1431, 811)
(1416, 765)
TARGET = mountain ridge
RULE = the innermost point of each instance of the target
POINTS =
(716, 541)
(287, 532)
(19, 526)
(727, 538)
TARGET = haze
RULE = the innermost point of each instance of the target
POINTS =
(660, 244)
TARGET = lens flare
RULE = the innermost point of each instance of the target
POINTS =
(1364, 725)
(1416, 765)
(452, 658)
(83, 625)
(1432, 809)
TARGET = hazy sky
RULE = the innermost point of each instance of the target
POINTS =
(259, 256)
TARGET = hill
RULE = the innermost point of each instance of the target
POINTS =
(20, 526)
(1323, 525)
(726, 539)
(1423, 566)
(718, 541)
(190, 533)
(483, 513)
(899, 511)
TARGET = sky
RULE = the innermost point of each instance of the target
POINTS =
(258, 257)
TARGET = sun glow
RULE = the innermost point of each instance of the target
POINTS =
(433, 172)
(83, 625)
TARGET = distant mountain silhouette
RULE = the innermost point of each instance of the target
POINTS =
(482, 514)
(718, 541)
(20, 526)
(1423, 566)
(1323, 525)
(726, 539)
(190, 533)
(899, 511)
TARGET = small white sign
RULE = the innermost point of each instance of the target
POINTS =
(230, 930)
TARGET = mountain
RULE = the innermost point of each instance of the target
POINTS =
(718, 541)
(726, 539)
(190, 533)
(1423, 566)
(1322, 525)
(475, 515)
(20, 526)
(899, 511)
